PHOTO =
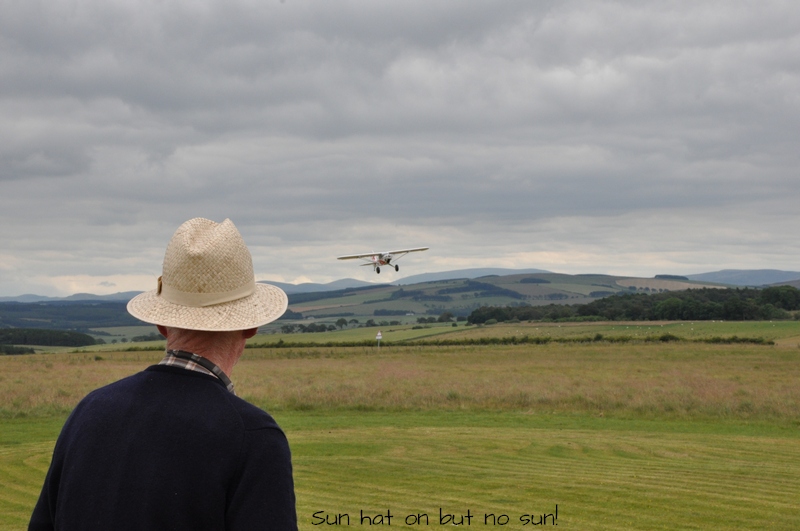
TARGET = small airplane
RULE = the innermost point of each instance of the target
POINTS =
(376, 260)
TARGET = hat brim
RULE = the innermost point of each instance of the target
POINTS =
(266, 304)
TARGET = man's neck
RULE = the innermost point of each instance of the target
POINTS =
(221, 348)
(225, 361)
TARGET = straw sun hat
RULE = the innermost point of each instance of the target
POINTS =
(207, 283)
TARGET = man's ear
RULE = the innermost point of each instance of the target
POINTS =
(162, 330)
(249, 332)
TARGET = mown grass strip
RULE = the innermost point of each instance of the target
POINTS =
(603, 474)
(607, 479)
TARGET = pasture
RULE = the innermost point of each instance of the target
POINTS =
(617, 436)
(782, 332)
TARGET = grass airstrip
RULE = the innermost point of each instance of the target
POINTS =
(579, 435)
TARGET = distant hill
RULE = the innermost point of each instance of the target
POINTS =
(66, 315)
(310, 287)
(460, 296)
(458, 292)
(730, 277)
(28, 297)
(122, 296)
(128, 295)
(793, 283)
(380, 280)
(463, 273)
(747, 277)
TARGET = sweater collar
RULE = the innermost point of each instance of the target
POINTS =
(193, 362)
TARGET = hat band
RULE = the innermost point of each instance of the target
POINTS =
(199, 300)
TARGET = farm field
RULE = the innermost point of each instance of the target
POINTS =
(618, 436)
(782, 332)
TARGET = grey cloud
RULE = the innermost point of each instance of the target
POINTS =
(314, 123)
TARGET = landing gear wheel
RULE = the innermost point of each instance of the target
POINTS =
(396, 267)
(378, 270)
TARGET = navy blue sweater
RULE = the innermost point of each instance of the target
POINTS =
(168, 448)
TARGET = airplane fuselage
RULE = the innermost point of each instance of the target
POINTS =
(376, 260)
(382, 259)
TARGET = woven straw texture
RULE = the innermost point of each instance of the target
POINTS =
(208, 261)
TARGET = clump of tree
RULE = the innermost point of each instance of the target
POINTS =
(551, 312)
(307, 328)
(12, 350)
(44, 337)
(152, 336)
(783, 297)
(446, 317)
(739, 304)
(599, 294)
(289, 314)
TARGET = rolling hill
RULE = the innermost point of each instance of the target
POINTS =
(457, 292)
(464, 273)
(461, 296)
(730, 277)
(747, 277)
(372, 301)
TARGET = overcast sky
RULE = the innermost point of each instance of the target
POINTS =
(628, 138)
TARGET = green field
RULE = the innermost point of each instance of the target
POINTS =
(782, 332)
(618, 436)
(602, 474)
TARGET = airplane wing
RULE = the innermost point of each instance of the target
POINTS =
(351, 256)
(403, 251)
(369, 255)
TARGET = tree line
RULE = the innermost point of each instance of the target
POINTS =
(70, 315)
(738, 304)
(45, 338)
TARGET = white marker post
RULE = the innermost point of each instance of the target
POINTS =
(378, 337)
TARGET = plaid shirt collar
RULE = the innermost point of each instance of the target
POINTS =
(193, 362)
